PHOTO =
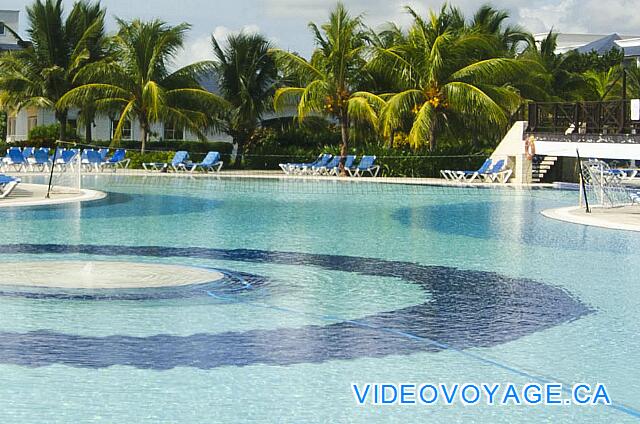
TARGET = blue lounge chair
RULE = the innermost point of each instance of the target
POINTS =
(453, 175)
(367, 164)
(323, 169)
(292, 168)
(27, 152)
(16, 159)
(307, 168)
(335, 170)
(211, 162)
(470, 176)
(94, 160)
(40, 160)
(497, 173)
(58, 154)
(103, 154)
(177, 163)
(7, 184)
(66, 157)
(119, 159)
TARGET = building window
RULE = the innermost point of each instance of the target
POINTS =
(72, 125)
(11, 126)
(1, 28)
(32, 122)
(172, 132)
(126, 129)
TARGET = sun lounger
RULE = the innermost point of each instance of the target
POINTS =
(497, 173)
(211, 162)
(177, 163)
(367, 164)
(119, 159)
(323, 169)
(65, 158)
(16, 159)
(348, 163)
(470, 176)
(27, 152)
(7, 184)
(453, 175)
(94, 160)
(294, 168)
(40, 160)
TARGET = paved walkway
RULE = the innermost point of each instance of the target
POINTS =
(623, 218)
(35, 195)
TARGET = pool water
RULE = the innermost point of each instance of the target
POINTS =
(326, 284)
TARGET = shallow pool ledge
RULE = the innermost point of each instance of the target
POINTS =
(625, 218)
(35, 195)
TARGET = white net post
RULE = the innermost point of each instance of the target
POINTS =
(603, 187)
(67, 175)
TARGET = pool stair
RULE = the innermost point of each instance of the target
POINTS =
(541, 166)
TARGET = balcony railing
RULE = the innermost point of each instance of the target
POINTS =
(581, 118)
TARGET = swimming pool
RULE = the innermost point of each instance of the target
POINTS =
(325, 284)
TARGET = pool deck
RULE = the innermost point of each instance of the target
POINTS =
(279, 175)
(623, 218)
(35, 195)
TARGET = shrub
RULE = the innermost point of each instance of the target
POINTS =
(46, 136)
(138, 159)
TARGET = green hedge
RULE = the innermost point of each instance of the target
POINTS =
(46, 136)
(138, 159)
(394, 162)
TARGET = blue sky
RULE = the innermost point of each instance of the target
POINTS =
(285, 21)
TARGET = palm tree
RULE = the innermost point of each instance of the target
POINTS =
(562, 83)
(43, 72)
(604, 85)
(492, 21)
(247, 75)
(447, 73)
(138, 83)
(329, 79)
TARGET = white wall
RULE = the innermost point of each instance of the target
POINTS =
(102, 129)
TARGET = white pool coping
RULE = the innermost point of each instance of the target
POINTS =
(26, 195)
(279, 175)
(626, 218)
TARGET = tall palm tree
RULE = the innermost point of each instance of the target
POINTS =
(43, 72)
(492, 21)
(562, 82)
(247, 75)
(330, 78)
(447, 73)
(138, 84)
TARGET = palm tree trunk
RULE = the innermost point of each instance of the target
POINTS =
(432, 139)
(145, 134)
(87, 132)
(344, 149)
(62, 119)
(239, 141)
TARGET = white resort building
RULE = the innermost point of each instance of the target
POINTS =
(19, 123)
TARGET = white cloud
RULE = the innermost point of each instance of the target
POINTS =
(583, 16)
(194, 50)
(199, 48)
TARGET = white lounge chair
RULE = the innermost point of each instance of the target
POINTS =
(7, 184)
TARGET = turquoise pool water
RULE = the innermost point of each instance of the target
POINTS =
(329, 284)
